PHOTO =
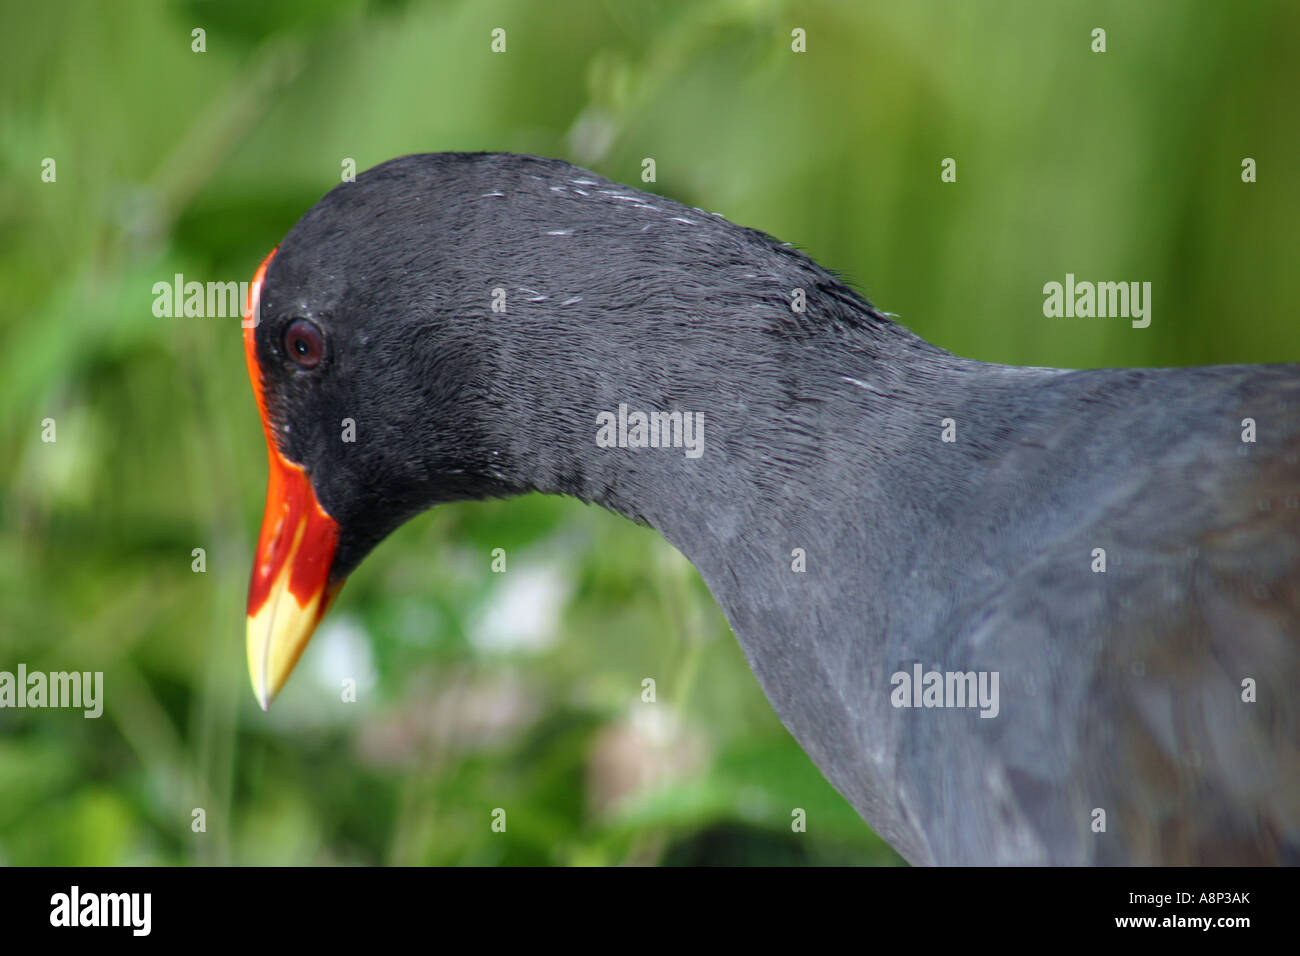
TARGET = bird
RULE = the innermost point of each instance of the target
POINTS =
(1015, 616)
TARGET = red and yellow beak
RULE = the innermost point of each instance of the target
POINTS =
(289, 591)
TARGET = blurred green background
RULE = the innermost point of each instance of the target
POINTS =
(523, 690)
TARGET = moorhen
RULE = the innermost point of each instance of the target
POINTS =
(1015, 615)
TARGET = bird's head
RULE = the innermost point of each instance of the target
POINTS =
(366, 357)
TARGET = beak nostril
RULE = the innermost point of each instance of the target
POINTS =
(271, 553)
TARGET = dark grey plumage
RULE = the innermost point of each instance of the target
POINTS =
(1119, 690)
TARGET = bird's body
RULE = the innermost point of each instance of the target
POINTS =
(862, 502)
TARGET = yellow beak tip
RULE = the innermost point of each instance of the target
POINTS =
(276, 641)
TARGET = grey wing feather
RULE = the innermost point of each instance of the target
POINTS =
(1142, 708)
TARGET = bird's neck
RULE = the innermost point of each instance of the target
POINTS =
(810, 456)
(719, 433)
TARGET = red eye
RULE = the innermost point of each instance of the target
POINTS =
(303, 343)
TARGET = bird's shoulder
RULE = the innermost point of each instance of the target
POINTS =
(1152, 651)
